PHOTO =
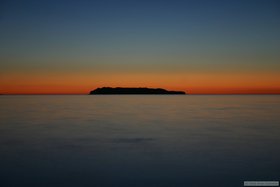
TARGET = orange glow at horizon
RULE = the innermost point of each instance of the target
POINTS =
(195, 83)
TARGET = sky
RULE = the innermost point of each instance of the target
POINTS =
(201, 47)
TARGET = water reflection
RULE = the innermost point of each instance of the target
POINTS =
(138, 140)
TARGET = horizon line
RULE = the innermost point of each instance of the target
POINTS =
(139, 94)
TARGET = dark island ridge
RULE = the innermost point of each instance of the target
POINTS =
(120, 90)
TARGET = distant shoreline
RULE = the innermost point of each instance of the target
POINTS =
(134, 91)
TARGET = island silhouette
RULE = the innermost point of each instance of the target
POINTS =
(121, 90)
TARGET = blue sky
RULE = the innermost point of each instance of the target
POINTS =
(140, 35)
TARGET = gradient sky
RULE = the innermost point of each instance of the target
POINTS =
(197, 46)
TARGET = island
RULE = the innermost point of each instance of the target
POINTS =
(120, 90)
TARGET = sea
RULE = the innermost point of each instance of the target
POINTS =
(138, 140)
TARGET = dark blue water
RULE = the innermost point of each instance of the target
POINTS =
(138, 141)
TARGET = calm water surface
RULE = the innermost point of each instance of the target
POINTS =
(138, 141)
